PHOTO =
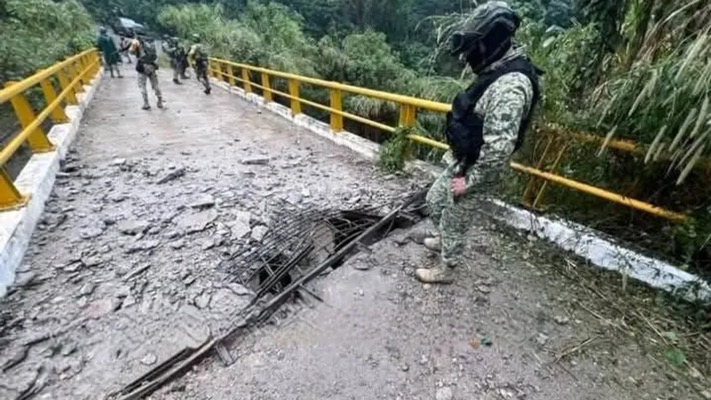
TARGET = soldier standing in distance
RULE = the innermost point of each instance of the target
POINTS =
(147, 68)
(198, 58)
(486, 126)
(171, 48)
(111, 54)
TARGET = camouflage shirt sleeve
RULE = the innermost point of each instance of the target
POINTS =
(504, 105)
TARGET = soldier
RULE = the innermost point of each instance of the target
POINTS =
(198, 58)
(486, 126)
(170, 47)
(147, 68)
(111, 54)
(182, 58)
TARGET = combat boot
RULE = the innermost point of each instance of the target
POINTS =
(442, 273)
(160, 103)
(146, 106)
(433, 243)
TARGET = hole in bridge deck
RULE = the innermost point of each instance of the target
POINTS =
(303, 241)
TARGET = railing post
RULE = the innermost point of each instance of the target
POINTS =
(50, 96)
(535, 189)
(210, 71)
(10, 197)
(245, 80)
(231, 75)
(74, 74)
(337, 105)
(64, 83)
(266, 88)
(37, 140)
(80, 70)
(218, 72)
(408, 115)
(92, 63)
(294, 92)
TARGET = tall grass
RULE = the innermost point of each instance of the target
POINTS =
(662, 101)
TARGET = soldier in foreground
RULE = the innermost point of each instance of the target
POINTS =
(486, 126)
(198, 58)
(147, 68)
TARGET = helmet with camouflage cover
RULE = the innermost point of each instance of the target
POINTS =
(486, 35)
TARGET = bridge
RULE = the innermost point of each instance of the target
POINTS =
(117, 232)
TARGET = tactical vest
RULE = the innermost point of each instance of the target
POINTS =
(465, 128)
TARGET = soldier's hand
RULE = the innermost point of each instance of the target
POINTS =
(459, 186)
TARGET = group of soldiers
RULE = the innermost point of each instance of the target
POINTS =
(180, 60)
(147, 61)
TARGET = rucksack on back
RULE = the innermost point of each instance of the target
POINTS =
(149, 53)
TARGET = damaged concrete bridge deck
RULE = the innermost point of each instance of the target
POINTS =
(124, 270)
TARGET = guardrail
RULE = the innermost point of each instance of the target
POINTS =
(409, 106)
(70, 75)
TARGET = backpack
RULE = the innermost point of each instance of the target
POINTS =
(149, 55)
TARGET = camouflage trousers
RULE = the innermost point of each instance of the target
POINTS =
(201, 74)
(452, 216)
(143, 83)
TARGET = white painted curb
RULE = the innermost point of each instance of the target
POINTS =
(37, 179)
(594, 246)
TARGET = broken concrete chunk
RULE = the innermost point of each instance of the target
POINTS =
(196, 222)
(142, 245)
(178, 244)
(203, 201)
(259, 232)
(149, 359)
(203, 301)
(87, 289)
(25, 279)
(244, 216)
(133, 227)
(91, 233)
(171, 176)
(239, 229)
(258, 160)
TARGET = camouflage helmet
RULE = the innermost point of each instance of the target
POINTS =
(102, 30)
(486, 34)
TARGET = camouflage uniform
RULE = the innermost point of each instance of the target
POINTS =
(149, 73)
(198, 57)
(503, 106)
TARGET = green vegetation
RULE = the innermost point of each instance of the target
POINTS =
(396, 150)
(36, 33)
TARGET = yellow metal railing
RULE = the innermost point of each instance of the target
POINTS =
(70, 75)
(409, 106)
